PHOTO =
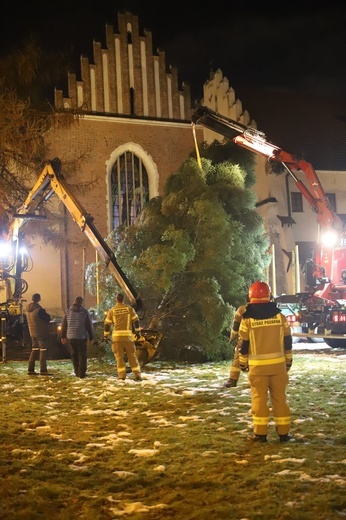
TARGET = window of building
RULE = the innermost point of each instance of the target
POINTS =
(129, 187)
(296, 202)
(332, 200)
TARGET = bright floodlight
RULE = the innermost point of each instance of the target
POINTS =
(329, 238)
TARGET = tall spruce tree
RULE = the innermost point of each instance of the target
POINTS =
(193, 253)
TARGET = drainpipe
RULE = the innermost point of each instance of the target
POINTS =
(83, 274)
(97, 280)
(67, 292)
(273, 283)
(289, 211)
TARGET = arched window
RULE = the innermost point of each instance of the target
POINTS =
(129, 188)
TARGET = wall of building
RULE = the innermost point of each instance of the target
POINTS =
(125, 99)
(162, 146)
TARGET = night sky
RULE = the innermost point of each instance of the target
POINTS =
(255, 46)
(277, 49)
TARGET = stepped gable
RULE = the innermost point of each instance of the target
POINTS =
(123, 76)
(221, 97)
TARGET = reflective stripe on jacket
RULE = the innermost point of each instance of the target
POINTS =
(264, 347)
(236, 322)
(122, 317)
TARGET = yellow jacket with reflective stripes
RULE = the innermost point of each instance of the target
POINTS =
(121, 317)
(236, 322)
(266, 341)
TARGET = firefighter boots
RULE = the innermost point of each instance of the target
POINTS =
(286, 438)
(230, 383)
(257, 438)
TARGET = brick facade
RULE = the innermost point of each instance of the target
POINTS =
(128, 101)
(162, 148)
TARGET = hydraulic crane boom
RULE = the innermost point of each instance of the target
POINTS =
(50, 182)
(255, 141)
(322, 308)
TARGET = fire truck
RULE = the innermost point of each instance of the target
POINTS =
(321, 307)
(51, 181)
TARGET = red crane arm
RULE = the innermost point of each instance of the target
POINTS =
(255, 141)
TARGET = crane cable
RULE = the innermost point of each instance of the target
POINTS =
(196, 146)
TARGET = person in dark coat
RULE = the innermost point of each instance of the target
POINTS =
(38, 325)
(76, 328)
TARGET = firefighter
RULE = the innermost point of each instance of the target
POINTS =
(266, 353)
(123, 318)
(234, 338)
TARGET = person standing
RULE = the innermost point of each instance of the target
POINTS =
(123, 319)
(38, 324)
(266, 353)
(76, 328)
(234, 373)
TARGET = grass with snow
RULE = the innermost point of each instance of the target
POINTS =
(173, 446)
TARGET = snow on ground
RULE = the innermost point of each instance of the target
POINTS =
(171, 385)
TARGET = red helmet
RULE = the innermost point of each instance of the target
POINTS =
(259, 292)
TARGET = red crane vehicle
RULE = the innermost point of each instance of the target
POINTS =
(322, 306)
(50, 182)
